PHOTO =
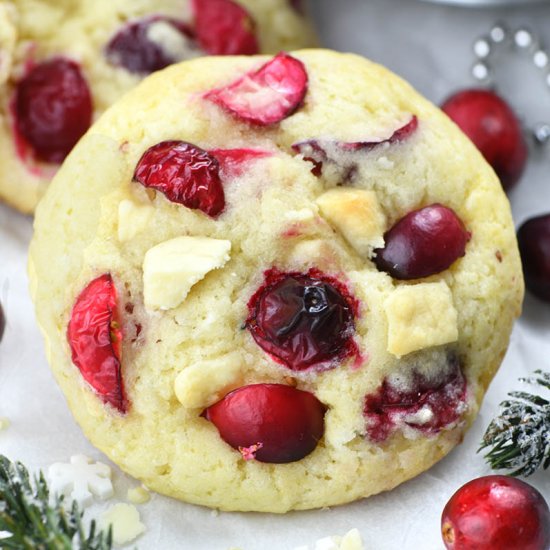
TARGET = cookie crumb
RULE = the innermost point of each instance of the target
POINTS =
(4, 423)
(138, 495)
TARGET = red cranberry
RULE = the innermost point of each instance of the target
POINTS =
(441, 398)
(534, 247)
(267, 95)
(234, 162)
(496, 513)
(494, 128)
(133, 48)
(280, 423)
(424, 242)
(318, 151)
(302, 320)
(185, 173)
(224, 27)
(53, 108)
(95, 338)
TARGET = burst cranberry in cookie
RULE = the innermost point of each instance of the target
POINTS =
(303, 320)
(265, 96)
(269, 422)
(95, 338)
(52, 108)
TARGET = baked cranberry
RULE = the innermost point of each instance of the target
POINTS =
(494, 128)
(318, 151)
(136, 48)
(53, 108)
(95, 338)
(426, 404)
(224, 27)
(534, 247)
(302, 320)
(185, 173)
(234, 162)
(496, 513)
(278, 423)
(422, 243)
(2, 322)
(268, 95)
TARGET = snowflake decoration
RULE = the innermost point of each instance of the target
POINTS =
(81, 479)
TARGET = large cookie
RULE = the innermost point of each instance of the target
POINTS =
(275, 283)
(63, 62)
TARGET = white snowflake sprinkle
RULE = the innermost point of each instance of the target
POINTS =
(81, 479)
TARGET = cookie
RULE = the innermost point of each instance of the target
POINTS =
(64, 62)
(278, 283)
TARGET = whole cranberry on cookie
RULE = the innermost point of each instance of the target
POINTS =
(269, 284)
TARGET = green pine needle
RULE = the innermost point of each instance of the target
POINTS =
(36, 522)
(519, 438)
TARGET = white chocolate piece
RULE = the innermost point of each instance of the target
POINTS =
(204, 383)
(171, 268)
(313, 252)
(350, 541)
(420, 316)
(357, 215)
(125, 521)
(132, 219)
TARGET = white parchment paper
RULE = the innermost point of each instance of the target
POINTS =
(430, 45)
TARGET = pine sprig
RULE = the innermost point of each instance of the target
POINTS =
(36, 522)
(519, 438)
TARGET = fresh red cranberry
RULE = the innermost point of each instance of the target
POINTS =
(234, 162)
(441, 399)
(318, 151)
(267, 95)
(185, 173)
(495, 130)
(278, 423)
(534, 247)
(133, 48)
(496, 513)
(95, 338)
(302, 320)
(224, 27)
(2, 322)
(424, 242)
(53, 108)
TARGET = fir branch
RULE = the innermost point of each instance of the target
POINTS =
(34, 522)
(519, 438)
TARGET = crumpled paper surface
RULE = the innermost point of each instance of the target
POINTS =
(430, 45)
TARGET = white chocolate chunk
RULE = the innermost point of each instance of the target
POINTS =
(313, 252)
(125, 521)
(132, 219)
(204, 383)
(420, 316)
(350, 541)
(357, 215)
(82, 478)
(171, 268)
(138, 495)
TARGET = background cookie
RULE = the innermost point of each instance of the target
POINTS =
(64, 62)
(232, 238)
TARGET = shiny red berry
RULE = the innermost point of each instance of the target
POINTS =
(423, 243)
(302, 320)
(494, 129)
(276, 423)
(319, 151)
(496, 513)
(534, 247)
(224, 27)
(428, 404)
(185, 173)
(267, 95)
(95, 337)
(53, 108)
(134, 48)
